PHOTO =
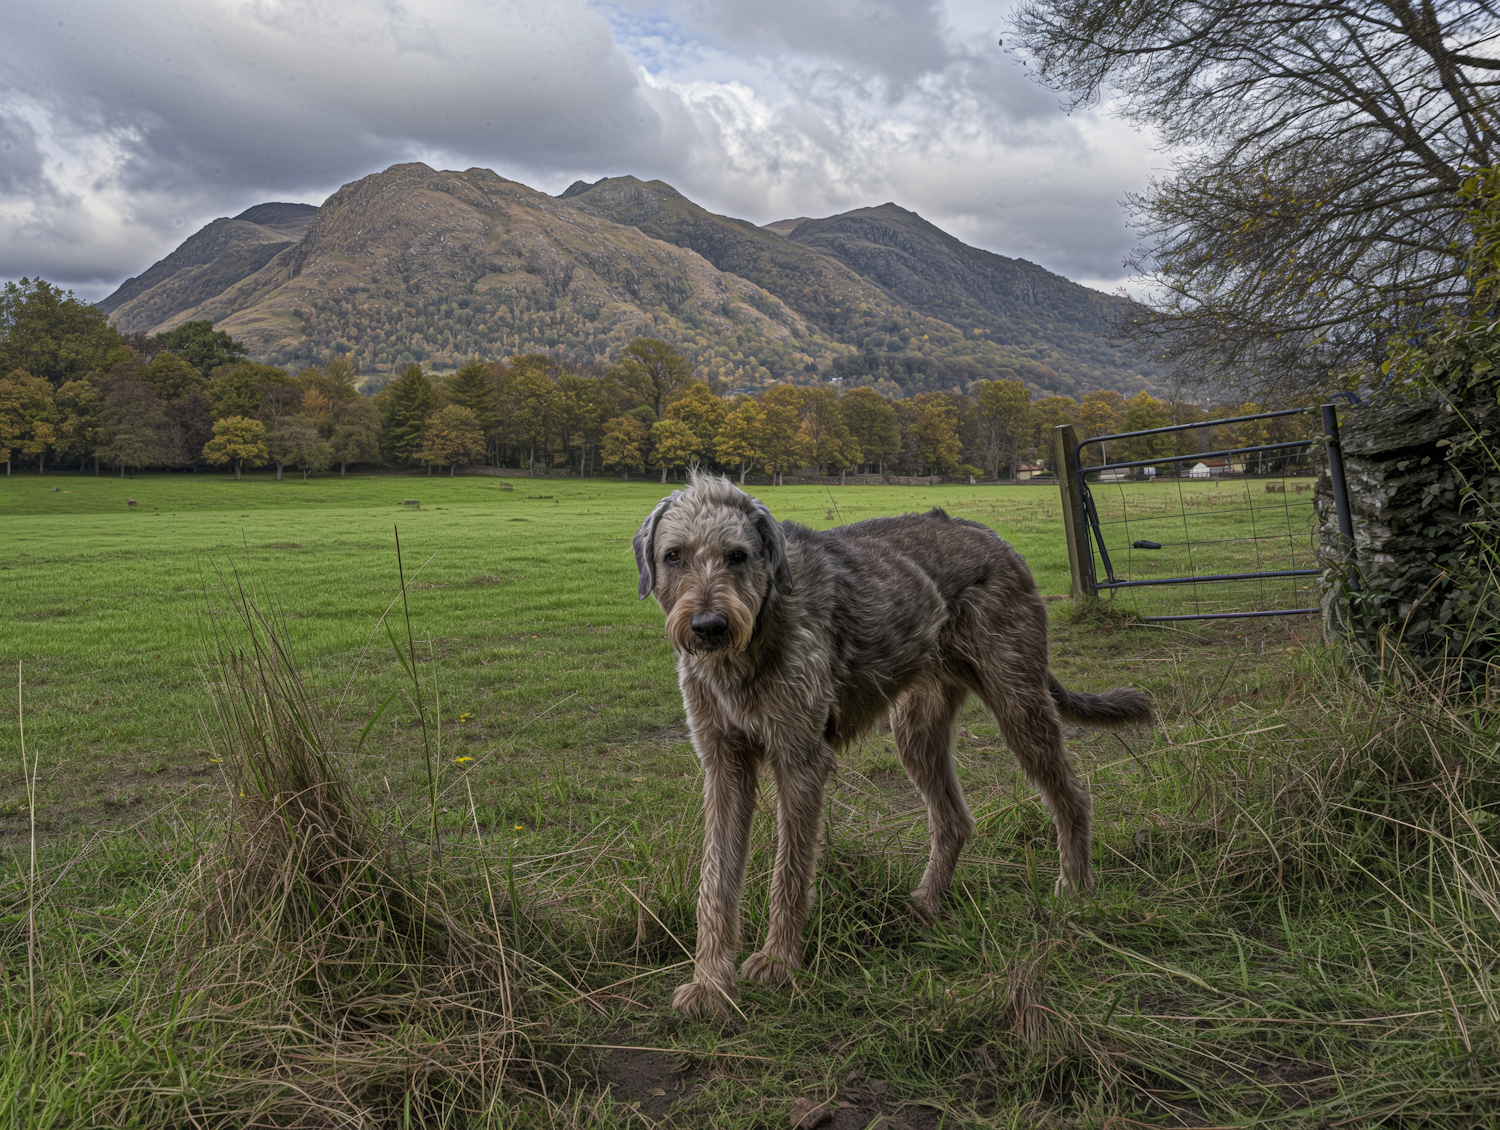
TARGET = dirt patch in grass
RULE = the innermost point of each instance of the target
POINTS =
(651, 1080)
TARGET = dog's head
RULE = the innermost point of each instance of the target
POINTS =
(712, 555)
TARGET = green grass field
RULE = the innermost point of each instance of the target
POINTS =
(1296, 921)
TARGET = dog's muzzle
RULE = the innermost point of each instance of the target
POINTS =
(711, 629)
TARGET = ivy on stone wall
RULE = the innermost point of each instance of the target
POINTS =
(1423, 471)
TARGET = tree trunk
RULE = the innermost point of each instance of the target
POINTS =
(842, 472)
(341, 469)
(304, 476)
(122, 470)
(742, 472)
(41, 463)
(7, 466)
(278, 472)
(664, 474)
(96, 467)
(429, 470)
(452, 469)
(239, 465)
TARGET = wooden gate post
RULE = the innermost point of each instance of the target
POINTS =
(1072, 503)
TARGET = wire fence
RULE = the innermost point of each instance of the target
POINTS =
(1226, 531)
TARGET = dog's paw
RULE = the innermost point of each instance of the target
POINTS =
(1067, 888)
(927, 905)
(698, 999)
(766, 968)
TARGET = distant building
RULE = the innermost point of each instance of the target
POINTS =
(1213, 468)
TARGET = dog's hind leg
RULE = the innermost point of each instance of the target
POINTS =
(923, 723)
(801, 778)
(1027, 717)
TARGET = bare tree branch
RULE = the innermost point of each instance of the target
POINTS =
(1319, 147)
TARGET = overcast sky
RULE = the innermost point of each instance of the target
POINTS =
(124, 127)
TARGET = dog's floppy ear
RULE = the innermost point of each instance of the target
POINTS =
(644, 545)
(769, 530)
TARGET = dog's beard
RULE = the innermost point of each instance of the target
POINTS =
(734, 639)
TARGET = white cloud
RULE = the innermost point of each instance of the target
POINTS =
(131, 125)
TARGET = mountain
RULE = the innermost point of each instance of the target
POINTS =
(1009, 301)
(416, 264)
(902, 279)
(209, 261)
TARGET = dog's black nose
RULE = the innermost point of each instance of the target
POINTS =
(707, 625)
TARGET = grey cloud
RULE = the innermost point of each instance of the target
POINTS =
(20, 159)
(133, 124)
(897, 40)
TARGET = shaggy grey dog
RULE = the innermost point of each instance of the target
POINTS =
(793, 642)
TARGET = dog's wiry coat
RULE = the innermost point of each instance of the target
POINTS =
(793, 642)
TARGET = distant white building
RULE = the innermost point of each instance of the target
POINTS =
(1213, 468)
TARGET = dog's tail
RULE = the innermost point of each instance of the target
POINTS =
(1112, 710)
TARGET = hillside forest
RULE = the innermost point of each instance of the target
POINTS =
(79, 393)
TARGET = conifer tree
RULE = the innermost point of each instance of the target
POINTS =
(407, 403)
(472, 388)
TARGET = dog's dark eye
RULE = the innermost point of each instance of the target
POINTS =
(673, 557)
(736, 557)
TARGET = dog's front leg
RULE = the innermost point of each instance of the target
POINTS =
(728, 804)
(801, 776)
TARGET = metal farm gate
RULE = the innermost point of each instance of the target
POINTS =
(1228, 533)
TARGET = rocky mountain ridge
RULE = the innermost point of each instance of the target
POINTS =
(417, 264)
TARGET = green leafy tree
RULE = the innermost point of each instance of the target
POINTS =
(240, 389)
(294, 441)
(135, 429)
(674, 446)
(624, 444)
(738, 438)
(26, 417)
(326, 390)
(238, 440)
(652, 370)
(202, 346)
(1143, 412)
(873, 424)
(1101, 413)
(50, 334)
(780, 423)
(1048, 414)
(1004, 413)
(936, 431)
(452, 436)
(405, 405)
(79, 406)
(823, 437)
(538, 412)
(581, 410)
(356, 434)
(473, 387)
(704, 413)
(171, 377)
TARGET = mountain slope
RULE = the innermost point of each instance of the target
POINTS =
(415, 264)
(882, 279)
(1011, 301)
(212, 259)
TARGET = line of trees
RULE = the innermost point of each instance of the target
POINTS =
(650, 414)
(75, 391)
